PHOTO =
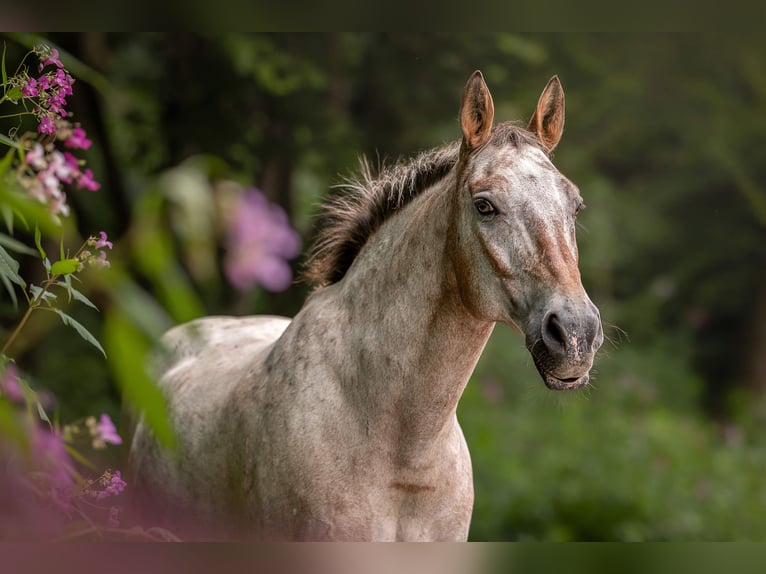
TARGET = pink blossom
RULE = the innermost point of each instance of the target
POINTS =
(36, 157)
(102, 242)
(47, 126)
(53, 58)
(72, 161)
(29, 90)
(62, 168)
(78, 139)
(105, 432)
(86, 180)
(49, 456)
(112, 483)
(10, 385)
(260, 241)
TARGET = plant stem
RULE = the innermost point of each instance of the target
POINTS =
(35, 303)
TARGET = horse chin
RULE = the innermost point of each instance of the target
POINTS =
(556, 384)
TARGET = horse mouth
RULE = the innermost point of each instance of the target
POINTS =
(568, 384)
(561, 384)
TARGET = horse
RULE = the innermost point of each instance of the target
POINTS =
(340, 424)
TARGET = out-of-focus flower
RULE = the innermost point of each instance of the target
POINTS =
(47, 171)
(52, 465)
(103, 431)
(10, 386)
(259, 243)
(78, 139)
(108, 484)
(102, 241)
(86, 180)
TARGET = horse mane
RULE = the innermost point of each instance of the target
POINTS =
(359, 205)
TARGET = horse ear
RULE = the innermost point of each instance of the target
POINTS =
(548, 120)
(476, 112)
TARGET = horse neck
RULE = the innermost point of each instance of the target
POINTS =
(412, 343)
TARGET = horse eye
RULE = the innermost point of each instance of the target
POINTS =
(484, 207)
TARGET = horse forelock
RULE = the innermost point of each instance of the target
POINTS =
(358, 206)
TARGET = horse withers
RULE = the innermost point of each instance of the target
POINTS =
(340, 424)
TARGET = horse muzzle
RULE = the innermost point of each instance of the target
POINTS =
(563, 344)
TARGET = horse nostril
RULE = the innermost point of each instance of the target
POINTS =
(553, 332)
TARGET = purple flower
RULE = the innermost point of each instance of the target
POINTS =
(47, 126)
(112, 483)
(29, 90)
(53, 58)
(49, 456)
(78, 139)
(86, 180)
(36, 157)
(102, 242)
(260, 241)
(10, 385)
(103, 432)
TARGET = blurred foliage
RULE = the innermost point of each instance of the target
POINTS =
(664, 138)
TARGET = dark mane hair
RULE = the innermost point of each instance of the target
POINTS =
(359, 206)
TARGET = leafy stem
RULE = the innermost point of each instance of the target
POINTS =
(34, 304)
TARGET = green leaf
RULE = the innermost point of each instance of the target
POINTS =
(81, 330)
(15, 245)
(65, 267)
(38, 242)
(35, 291)
(128, 351)
(8, 141)
(11, 291)
(11, 426)
(14, 93)
(2, 65)
(42, 414)
(7, 216)
(75, 294)
(5, 163)
(9, 268)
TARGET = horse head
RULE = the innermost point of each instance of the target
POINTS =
(512, 238)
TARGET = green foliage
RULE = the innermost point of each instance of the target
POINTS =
(630, 459)
(129, 360)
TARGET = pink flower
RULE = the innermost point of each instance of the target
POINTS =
(10, 385)
(260, 241)
(53, 58)
(112, 483)
(86, 180)
(49, 456)
(36, 157)
(72, 162)
(78, 139)
(47, 126)
(102, 242)
(104, 432)
(29, 90)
